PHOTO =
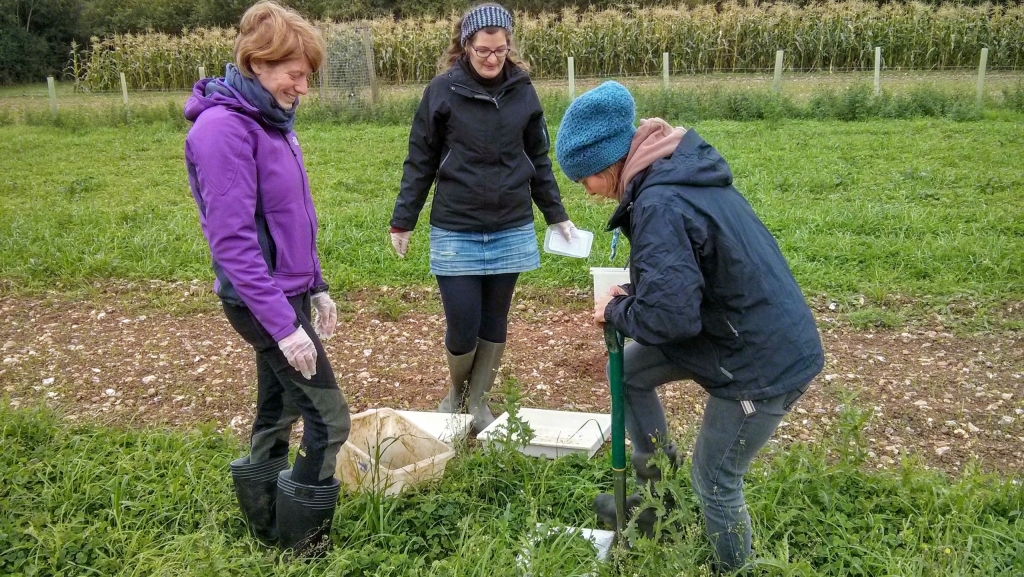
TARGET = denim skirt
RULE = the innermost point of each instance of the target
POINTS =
(476, 253)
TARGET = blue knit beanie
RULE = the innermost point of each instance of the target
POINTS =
(596, 131)
(482, 17)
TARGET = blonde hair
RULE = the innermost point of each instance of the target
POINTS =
(455, 48)
(269, 33)
(613, 175)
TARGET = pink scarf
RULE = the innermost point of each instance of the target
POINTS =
(654, 139)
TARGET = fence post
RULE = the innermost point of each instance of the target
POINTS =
(878, 70)
(124, 89)
(981, 76)
(777, 83)
(664, 69)
(202, 72)
(53, 94)
(370, 67)
(572, 78)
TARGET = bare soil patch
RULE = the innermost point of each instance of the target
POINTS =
(119, 357)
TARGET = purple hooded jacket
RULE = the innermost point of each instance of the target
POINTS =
(250, 184)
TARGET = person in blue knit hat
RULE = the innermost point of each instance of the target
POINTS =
(480, 140)
(711, 299)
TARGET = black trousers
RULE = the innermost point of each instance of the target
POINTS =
(284, 395)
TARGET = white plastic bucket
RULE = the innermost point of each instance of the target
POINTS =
(605, 277)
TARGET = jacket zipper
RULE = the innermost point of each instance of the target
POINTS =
(732, 328)
(480, 95)
(305, 182)
(437, 176)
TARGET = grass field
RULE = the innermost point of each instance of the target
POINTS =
(893, 220)
(82, 500)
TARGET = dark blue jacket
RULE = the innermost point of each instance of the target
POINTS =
(709, 285)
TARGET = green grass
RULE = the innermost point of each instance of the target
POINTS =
(893, 220)
(90, 500)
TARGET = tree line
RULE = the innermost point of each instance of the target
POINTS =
(36, 35)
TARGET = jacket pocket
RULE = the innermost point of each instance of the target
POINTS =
(440, 167)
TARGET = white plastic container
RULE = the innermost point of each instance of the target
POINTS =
(605, 277)
(582, 240)
(601, 540)
(387, 452)
(556, 433)
(449, 428)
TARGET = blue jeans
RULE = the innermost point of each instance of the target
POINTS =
(731, 434)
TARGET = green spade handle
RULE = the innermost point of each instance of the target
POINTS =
(614, 341)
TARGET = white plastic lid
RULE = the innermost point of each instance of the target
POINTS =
(582, 240)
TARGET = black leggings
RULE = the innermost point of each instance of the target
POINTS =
(476, 306)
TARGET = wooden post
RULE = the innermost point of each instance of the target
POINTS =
(777, 83)
(53, 94)
(368, 47)
(124, 89)
(572, 78)
(664, 69)
(202, 72)
(878, 70)
(981, 76)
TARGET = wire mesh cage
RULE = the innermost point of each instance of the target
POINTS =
(347, 79)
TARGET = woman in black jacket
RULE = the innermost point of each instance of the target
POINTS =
(479, 136)
(711, 299)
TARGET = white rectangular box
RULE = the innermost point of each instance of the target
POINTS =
(579, 247)
(449, 428)
(556, 433)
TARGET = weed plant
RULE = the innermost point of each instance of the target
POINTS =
(685, 106)
(84, 499)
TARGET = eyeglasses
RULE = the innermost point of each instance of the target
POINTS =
(485, 53)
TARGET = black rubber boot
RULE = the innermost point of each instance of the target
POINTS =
(604, 503)
(256, 490)
(305, 514)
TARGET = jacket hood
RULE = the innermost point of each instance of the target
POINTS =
(694, 163)
(211, 92)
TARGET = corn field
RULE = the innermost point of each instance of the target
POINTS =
(729, 38)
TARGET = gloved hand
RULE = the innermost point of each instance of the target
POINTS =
(400, 240)
(298, 348)
(565, 228)
(326, 314)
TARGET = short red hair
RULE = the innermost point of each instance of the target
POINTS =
(270, 33)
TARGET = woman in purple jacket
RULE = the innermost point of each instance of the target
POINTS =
(249, 182)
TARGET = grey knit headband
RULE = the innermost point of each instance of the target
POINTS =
(484, 17)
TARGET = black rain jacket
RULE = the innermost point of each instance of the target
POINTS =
(488, 156)
(709, 285)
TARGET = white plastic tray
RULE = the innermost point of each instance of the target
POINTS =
(556, 433)
(582, 240)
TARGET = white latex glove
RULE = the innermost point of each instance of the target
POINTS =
(400, 240)
(325, 316)
(298, 348)
(565, 229)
